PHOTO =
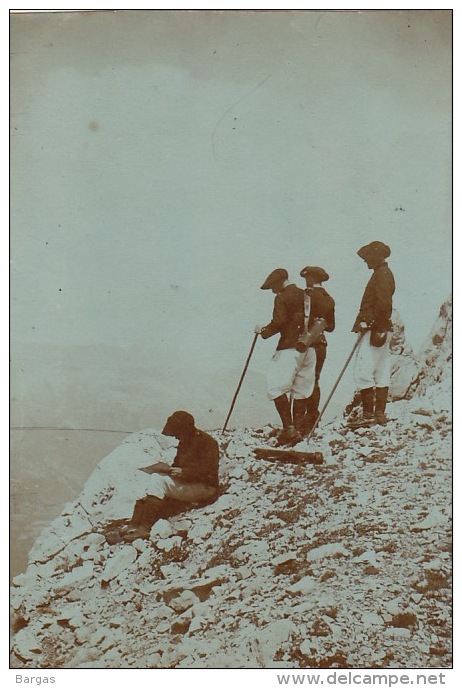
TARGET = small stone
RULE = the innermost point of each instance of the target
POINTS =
(433, 565)
(161, 529)
(283, 558)
(117, 564)
(19, 580)
(434, 519)
(393, 606)
(372, 619)
(366, 451)
(184, 601)
(303, 586)
(398, 632)
(26, 645)
(77, 621)
(326, 551)
(423, 412)
(369, 556)
(306, 647)
(169, 543)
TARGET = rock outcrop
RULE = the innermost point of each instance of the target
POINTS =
(433, 378)
(405, 363)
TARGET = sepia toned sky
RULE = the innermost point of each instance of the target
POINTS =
(163, 163)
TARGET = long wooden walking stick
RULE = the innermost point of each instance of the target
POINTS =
(321, 413)
(240, 382)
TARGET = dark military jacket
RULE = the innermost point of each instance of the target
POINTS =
(288, 317)
(322, 306)
(198, 457)
(377, 302)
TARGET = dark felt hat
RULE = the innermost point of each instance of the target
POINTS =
(275, 276)
(376, 249)
(178, 421)
(319, 274)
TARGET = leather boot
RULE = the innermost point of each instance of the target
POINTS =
(381, 398)
(299, 412)
(288, 435)
(282, 404)
(144, 516)
(312, 409)
(367, 418)
(313, 402)
(367, 400)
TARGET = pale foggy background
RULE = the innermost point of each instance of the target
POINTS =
(162, 164)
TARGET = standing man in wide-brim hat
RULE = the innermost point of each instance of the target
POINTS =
(291, 373)
(319, 306)
(372, 365)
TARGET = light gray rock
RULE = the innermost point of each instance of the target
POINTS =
(78, 576)
(303, 586)
(283, 558)
(161, 529)
(85, 634)
(62, 531)
(201, 531)
(238, 473)
(395, 606)
(434, 519)
(327, 550)
(183, 601)
(372, 619)
(26, 645)
(19, 580)
(225, 502)
(171, 571)
(401, 633)
(169, 543)
(255, 549)
(369, 556)
(305, 647)
(122, 559)
(272, 637)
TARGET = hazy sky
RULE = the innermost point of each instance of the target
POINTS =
(163, 163)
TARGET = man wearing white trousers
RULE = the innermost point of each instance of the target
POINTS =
(372, 364)
(291, 374)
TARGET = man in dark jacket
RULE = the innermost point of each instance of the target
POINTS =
(193, 476)
(372, 365)
(319, 305)
(291, 373)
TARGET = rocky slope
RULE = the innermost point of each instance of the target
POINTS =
(346, 564)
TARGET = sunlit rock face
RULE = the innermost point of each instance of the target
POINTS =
(434, 377)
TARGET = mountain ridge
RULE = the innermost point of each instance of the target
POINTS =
(347, 564)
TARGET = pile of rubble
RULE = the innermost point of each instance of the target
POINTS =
(345, 564)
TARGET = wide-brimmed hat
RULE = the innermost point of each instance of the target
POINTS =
(376, 249)
(178, 421)
(278, 275)
(318, 274)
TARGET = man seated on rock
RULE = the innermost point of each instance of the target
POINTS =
(192, 478)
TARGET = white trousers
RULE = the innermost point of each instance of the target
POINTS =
(162, 486)
(291, 372)
(372, 363)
